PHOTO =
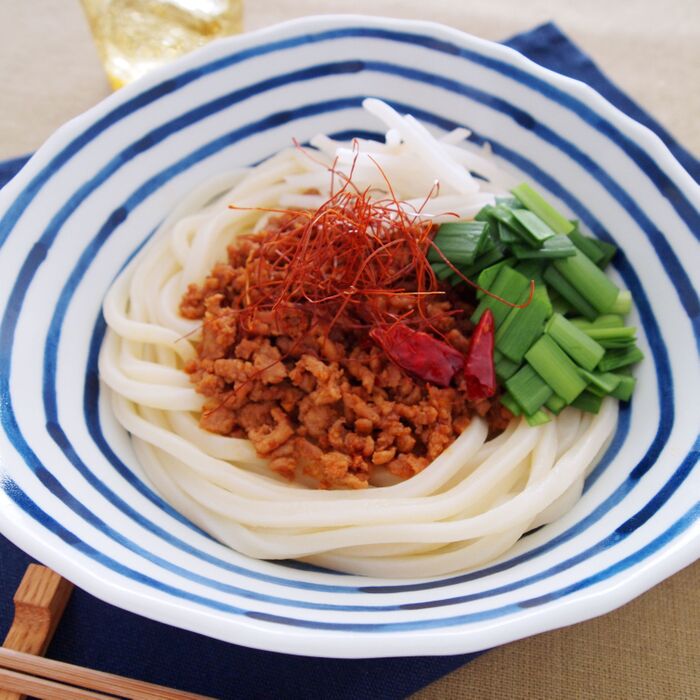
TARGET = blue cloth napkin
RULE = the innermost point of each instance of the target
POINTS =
(95, 634)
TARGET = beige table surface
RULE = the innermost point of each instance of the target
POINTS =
(650, 648)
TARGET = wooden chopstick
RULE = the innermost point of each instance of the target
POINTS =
(40, 600)
(39, 603)
(39, 673)
(42, 688)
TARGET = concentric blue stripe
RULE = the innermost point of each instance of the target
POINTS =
(148, 188)
(685, 290)
(31, 508)
(167, 87)
(663, 370)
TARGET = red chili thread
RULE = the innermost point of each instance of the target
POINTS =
(340, 266)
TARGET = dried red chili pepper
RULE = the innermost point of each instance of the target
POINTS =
(478, 368)
(419, 354)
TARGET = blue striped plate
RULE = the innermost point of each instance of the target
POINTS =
(72, 493)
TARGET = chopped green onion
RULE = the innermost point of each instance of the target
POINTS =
(533, 200)
(588, 280)
(555, 367)
(555, 404)
(559, 304)
(489, 258)
(616, 343)
(522, 327)
(623, 303)
(552, 248)
(511, 404)
(605, 381)
(625, 387)
(458, 242)
(488, 276)
(488, 242)
(509, 202)
(581, 323)
(485, 214)
(626, 335)
(609, 251)
(577, 345)
(588, 402)
(588, 246)
(538, 418)
(569, 293)
(506, 235)
(504, 215)
(442, 270)
(622, 357)
(608, 321)
(537, 230)
(505, 368)
(528, 389)
(532, 269)
(509, 285)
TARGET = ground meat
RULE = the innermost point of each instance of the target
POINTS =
(325, 406)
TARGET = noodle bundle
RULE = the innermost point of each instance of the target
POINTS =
(471, 504)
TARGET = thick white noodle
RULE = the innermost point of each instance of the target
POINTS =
(469, 506)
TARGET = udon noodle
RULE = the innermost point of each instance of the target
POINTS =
(466, 508)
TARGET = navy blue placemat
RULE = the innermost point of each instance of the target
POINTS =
(93, 633)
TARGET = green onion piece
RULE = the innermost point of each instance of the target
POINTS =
(588, 402)
(485, 214)
(597, 391)
(537, 230)
(509, 285)
(616, 343)
(458, 242)
(442, 270)
(505, 216)
(532, 269)
(627, 334)
(625, 387)
(555, 367)
(555, 404)
(622, 357)
(505, 368)
(588, 280)
(533, 200)
(559, 304)
(497, 253)
(522, 327)
(538, 418)
(511, 404)
(557, 247)
(509, 202)
(605, 381)
(576, 344)
(608, 321)
(556, 280)
(581, 323)
(588, 246)
(488, 276)
(489, 241)
(528, 389)
(506, 235)
(623, 303)
(609, 251)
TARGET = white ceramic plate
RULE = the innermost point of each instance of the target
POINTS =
(72, 493)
